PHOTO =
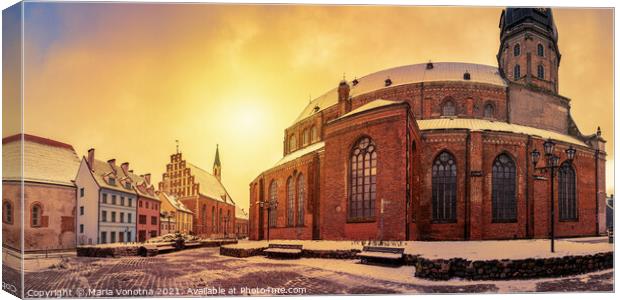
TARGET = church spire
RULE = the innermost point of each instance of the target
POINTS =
(217, 165)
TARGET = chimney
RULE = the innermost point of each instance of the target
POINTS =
(131, 171)
(125, 167)
(147, 178)
(91, 158)
(112, 163)
(344, 103)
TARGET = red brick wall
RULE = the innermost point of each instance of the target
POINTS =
(154, 206)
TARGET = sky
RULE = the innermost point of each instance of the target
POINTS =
(130, 79)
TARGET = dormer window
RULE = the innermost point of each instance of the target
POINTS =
(355, 82)
(388, 82)
(128, 185)
(316, 109)
(429, 65)
(112, 181)
(466, 76)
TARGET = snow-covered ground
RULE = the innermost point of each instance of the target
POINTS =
(472, 250)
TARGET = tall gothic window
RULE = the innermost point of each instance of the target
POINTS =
(290, 201)
(504, 198)
(517, 72)
(541, 50)
(273, 198)
(212, 218)
(203, 215)
(541, 72)
(567, 192)
(489, 111)
(517, 50)
(363, 187)
(448, 108)
(301, 188)
(444, 188)
(35, 215)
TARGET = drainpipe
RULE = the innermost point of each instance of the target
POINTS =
(467, 185)
(596, 155)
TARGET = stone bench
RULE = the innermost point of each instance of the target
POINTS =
(283, 251)
(381, 254)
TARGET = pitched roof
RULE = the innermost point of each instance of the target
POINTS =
(301, 152)
(175, 202)
(441, 71)
(482, 125)
(102, 171)
(44, 160)
(210, 186)
(370, 106)
(241, 214)
(142, 188)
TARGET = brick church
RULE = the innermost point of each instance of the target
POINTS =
(440, 151)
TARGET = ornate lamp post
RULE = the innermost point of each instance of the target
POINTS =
(551, 166)
(270, 205)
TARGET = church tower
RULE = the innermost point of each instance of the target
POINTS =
(217, 165)
(528, 53)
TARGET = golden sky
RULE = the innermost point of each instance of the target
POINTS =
(130, 79)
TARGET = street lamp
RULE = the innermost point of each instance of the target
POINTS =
(552, 165)
(226, 218)
(270, 205)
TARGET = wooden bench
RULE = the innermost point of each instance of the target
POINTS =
(381, 254)
(283, 251)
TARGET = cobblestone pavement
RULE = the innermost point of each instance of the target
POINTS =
(202, 272)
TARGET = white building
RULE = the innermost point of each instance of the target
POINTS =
(106, 203)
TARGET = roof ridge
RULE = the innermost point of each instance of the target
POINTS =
(38, 140)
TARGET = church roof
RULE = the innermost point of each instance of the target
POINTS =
(542, 17)
(45, 160)
(442, 71)
(210, 186)
(301, 152)
(484, 125)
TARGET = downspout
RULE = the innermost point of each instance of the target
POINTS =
(408, 180)
(467, 185)
(528, 199)
(596, 184)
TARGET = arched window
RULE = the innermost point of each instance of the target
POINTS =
(517, 72)
(504, 198)
(290, 201)
(567, 201)
(448, 108)
(212, 218)
(219, 221)
(363, 174)
(489, 111)
(444, 188)
(314, 133)
(7, 212)
(306, 137)
(300, 199)
(517, 50)
(35, 215)
(541, 50)
(541, 72)
(292, 143)
(273, 198)
(203, 215)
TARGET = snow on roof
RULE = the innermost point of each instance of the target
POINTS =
(102, 170)
(301, 152)
(369, 106)
(175, 202)
(481, 125)
(210, 186)
(442, 71)
(240, 213)
(45, 160)
(141, 186)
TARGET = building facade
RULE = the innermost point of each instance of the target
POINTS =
(106, 202)
(203, 193)
(149, 205)
(439, 151)
(242, 223)
(175, 212)
(48, 192)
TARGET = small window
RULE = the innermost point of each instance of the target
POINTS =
(388, 82)
(112, 181)
(122, 201)
(81, 228)
(292, 143)
(314, 133)
(448, 108)
(517, 50)
(489, 111)
(35, 215)
(129, 200)
(153, 220)
(104, 216)
(81, 210)
(7, 212)
(113, 217)
(466, 76)
(104, 237)
(128, 185)
(517, 72)
(129, 220)
(122, 217)
(81, 192)
(541, 50)
(541, 72)
(306, 137)
(104, 198)
(113, 199)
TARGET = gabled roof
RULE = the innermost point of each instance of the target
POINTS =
(241, 214)
(301, 152)
(102, 171)
(210, 186)
(142, 188)
(175, 202)
(441, 71)
(45, 160)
